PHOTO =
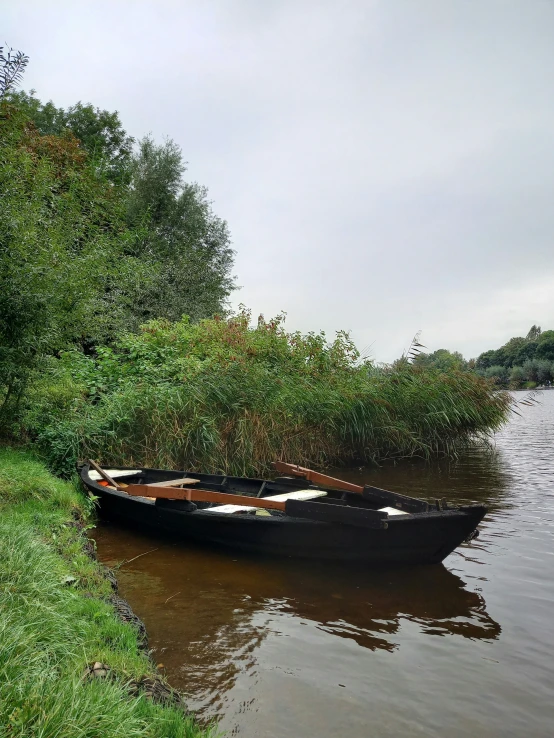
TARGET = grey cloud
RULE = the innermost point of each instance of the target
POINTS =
(384, 166)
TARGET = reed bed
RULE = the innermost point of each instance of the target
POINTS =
(221, 396)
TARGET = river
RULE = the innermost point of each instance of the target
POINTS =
(288, 648)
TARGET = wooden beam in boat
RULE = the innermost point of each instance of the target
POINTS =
(114, 473)
(316, 477)
(201, 495)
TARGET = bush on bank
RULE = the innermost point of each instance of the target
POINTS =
(49, 629)
(223, 396)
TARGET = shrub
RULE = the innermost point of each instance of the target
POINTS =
(517, 377)
(498, 373)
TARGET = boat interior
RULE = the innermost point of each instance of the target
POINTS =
(281, 488)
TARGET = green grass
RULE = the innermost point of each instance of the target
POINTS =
(49, 629)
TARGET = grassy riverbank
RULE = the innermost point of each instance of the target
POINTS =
(55, 620)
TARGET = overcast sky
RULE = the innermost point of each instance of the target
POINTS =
(385, 167)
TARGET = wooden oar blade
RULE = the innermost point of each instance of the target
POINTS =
(316, 477)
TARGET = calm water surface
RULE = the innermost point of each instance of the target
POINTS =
(287, 648)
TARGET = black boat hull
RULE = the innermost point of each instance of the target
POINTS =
(423, 538)
(414, 542)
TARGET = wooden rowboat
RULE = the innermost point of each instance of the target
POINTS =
(303, 514)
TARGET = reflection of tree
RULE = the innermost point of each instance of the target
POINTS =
(208, 635)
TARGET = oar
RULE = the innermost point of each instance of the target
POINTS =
(316, 477)
(200, 495)
(408, 504)
(103, 474)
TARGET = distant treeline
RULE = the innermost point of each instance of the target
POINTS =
(522, 361)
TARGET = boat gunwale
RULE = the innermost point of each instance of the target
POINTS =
(395, 520)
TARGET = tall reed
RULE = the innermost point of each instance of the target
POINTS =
(222, 396)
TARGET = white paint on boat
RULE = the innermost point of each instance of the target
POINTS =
(114, 473)
(230, 509)
(299, 494)
(392, 511)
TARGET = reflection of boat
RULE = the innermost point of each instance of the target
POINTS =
(214, 631)
(370, 608)
(347, 522)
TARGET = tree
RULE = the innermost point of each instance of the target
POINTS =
(511, 349)
(514, 352)
(546, 335)
(12, 66)
(545, 349)
(544, 371)
(499, 374)
(442, 359)
(99, 132)
(531, 370)
(61, 260)
(486, 360)
(517, 377)
(524, 352)
(534, 333)
(94, 238)
(187, 245)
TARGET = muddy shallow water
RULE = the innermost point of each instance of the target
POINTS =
(289, 648)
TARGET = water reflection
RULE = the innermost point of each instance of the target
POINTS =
(209, 612)
(370, 610)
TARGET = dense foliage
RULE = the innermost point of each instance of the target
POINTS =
(186, 244)
(172, 227)
(62, 264)
(99, 132)
(221, 395)
(442, 359)
(95, 237)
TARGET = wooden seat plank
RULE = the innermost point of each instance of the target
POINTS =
(173, 482)
(114, 473)
(392, 511)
